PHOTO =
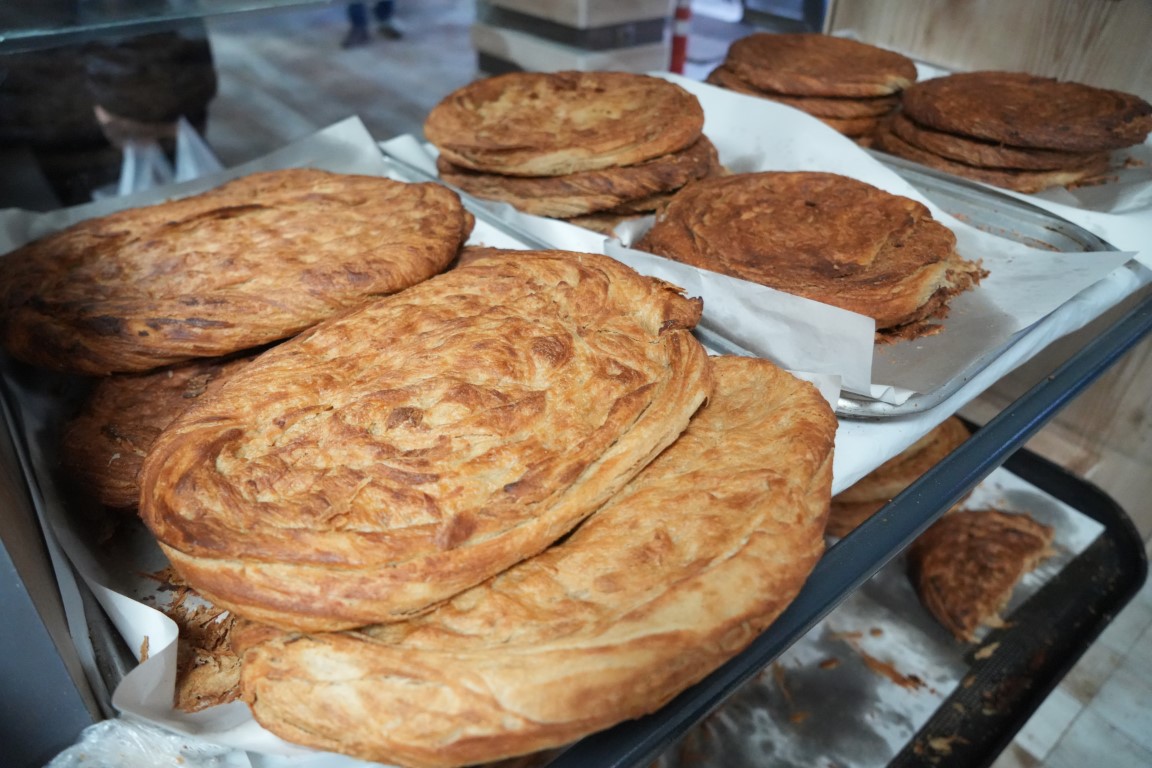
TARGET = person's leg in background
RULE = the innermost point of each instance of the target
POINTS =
(383, 11)
(357, 26)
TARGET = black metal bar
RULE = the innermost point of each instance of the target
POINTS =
(863, 552)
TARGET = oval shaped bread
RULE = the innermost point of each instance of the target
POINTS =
(255, 260)
(391, 457)
(672, 577)
(824, 236)
(553, 123)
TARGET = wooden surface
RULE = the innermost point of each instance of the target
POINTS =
(1107, 43)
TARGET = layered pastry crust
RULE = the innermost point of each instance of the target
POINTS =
(670, 578)
(549, 124)
(393, 456)
(255, 260)
(639, 186)
(104, 445)
(866, 496)
(967, 564)
(822, 236)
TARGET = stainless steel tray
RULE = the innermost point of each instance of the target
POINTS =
(989, 211)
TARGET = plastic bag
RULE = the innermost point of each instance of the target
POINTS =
(125, 743)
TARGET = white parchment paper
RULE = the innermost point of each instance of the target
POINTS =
(751, 134)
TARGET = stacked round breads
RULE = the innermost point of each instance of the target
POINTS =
(1015, 130)
(823, 236)
(589, 147)
(867, 495)
(456, 514)
(847, 84)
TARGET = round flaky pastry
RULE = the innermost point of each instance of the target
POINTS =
(576, 194)
(391, 457)
(843, 107)
(255, 260)
(823, 236)
(812, 64)
(553, 123)
(1024, 110)
(676, 574)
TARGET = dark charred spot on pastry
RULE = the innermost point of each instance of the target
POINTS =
(455, 530)
(105, 325)
(405, 416)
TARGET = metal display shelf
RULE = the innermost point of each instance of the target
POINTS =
(858, 556)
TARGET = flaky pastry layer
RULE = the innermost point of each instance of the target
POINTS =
(674, 575)
(391, 457)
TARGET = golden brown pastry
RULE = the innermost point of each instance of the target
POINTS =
(255, 260)
(554, 123)
(1023, 110)
(104, 446)
(967, 564)
(1027, 181)
(584, 192)
(672, 577)
(812, 64)
(822, 236)
(866, 496)
(819, 106)
(393, 456)
(987, 154)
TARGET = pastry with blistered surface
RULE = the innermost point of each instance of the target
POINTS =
(402, 452)
(823, 236)
(255, 260)
(673, 576)
(554, 123)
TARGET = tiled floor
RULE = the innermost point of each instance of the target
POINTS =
(1101, 713)
(283, 76)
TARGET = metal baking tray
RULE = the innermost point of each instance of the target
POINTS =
(992, 212)
(830, 701)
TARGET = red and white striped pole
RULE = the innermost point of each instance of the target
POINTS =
(680, 23)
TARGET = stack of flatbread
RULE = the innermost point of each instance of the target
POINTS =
(593, 148)
(481, 514)
(823, 236)
(847, 84)
(870, 493)
(1015, 130)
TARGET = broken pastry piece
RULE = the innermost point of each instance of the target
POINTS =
(966, 566)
